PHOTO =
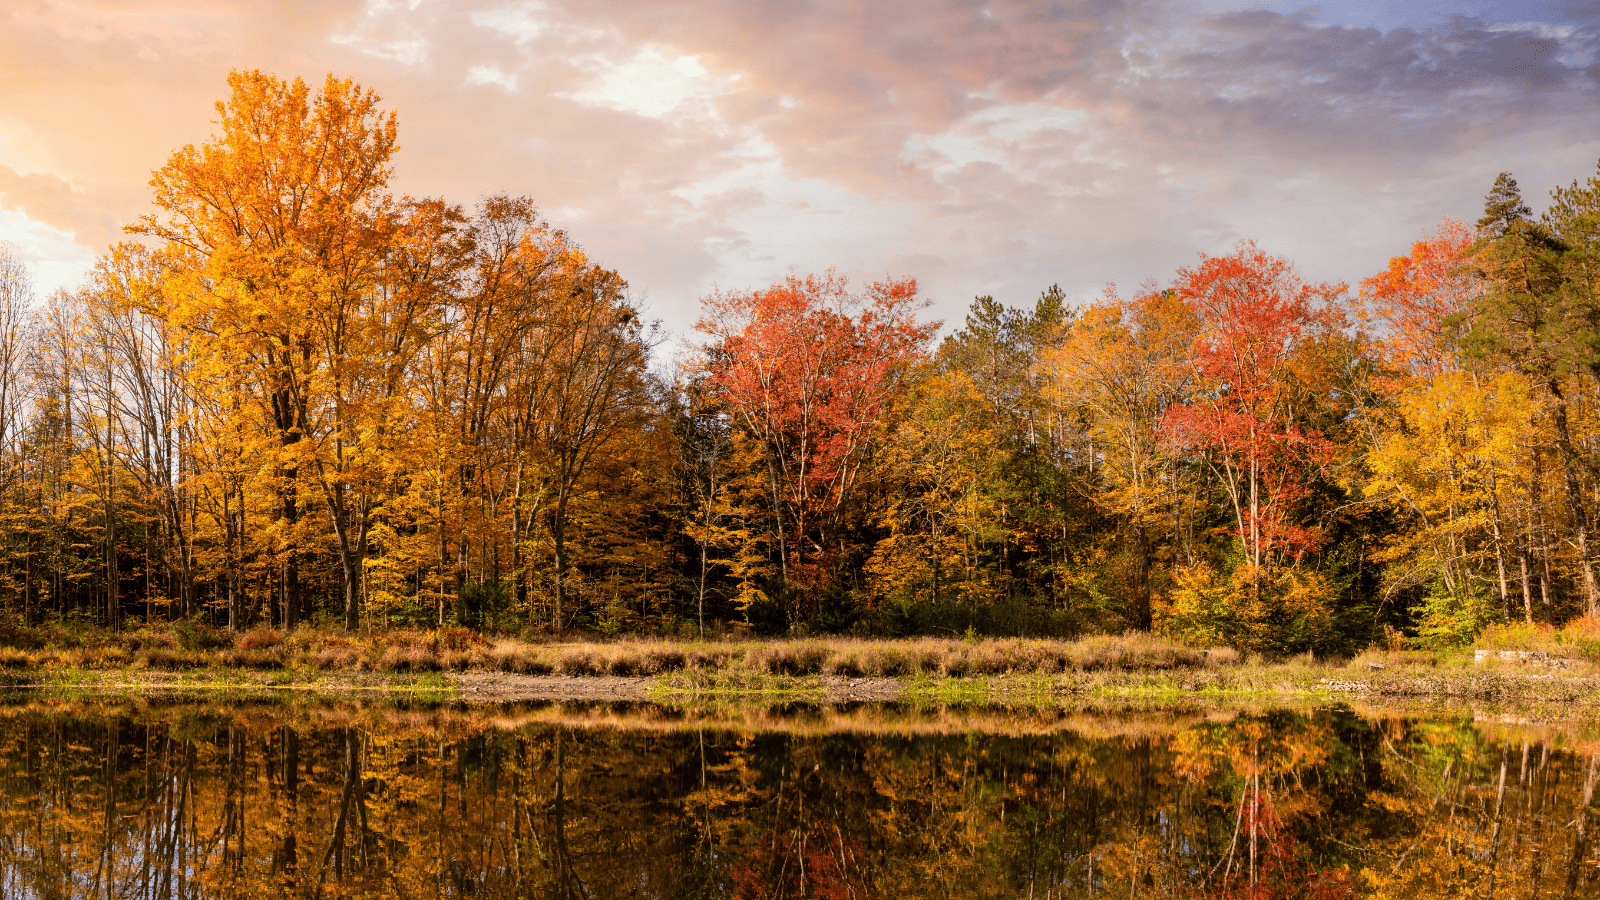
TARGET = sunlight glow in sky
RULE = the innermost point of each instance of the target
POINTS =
(982, 147)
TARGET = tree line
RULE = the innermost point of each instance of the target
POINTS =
(293, 397)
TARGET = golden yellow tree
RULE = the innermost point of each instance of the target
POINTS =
(1120, 367)
(310, 282)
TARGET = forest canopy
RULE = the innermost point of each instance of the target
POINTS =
(295, 398)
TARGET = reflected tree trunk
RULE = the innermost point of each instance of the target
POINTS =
(1580, 828)
(568, 884)
(1499, 807)
(286, 858)
(352, 799)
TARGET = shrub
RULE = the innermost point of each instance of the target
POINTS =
(259, 639)
(194, 635)
(459, 639)
(166, 658)
(481, 606)
(1450, 620)
(258, 658)
(1578, 638)
(334, 656)
(1583, 636)
(1518, 636)
(580, 662)
(1278, 611)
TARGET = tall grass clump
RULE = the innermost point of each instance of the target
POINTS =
(1577, 639)
(409, 651)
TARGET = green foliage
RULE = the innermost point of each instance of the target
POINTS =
(767, 613)
(1503, 208)
(482, 606)
(1452, 619)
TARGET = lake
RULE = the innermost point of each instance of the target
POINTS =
(147, 799)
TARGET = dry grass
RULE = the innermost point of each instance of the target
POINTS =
(456, 650)
(1578, 639)
(929, 670)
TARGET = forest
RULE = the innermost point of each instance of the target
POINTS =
(292, 398)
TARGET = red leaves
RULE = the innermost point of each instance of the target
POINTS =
(1280, 873)
(808, 367)
(1257, 311)
(1258, 315)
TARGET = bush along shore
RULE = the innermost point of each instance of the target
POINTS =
(459, 662)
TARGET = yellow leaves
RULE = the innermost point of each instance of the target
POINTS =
(1456, 450)
(1453, 436)
(1121, 365)
(943, 448)
(1263, 609)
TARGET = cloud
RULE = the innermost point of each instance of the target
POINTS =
(52, 201)
(985, 147)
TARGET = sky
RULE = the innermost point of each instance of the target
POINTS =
(980, 147)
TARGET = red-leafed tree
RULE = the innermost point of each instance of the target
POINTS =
(807, 367)
(1257, 316)
(1417, 295)
(1269, 866)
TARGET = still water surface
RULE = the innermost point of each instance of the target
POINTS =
(133, 800)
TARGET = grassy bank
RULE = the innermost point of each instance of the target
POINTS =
(227, 684)
(1013, 672)
(459, 650)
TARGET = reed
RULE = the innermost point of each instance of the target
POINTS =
(456, 650)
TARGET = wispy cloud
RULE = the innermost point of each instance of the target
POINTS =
(982, 146)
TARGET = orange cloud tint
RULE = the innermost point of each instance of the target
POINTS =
(983, 147)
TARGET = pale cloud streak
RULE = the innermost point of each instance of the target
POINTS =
(984, 147)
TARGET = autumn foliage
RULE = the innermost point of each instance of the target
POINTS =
(302, 399)
(808, 369)
(1257, 319)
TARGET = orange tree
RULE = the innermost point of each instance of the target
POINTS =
(807, 368)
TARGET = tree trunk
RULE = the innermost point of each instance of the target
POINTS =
(1527, 589)
(558, 537)
(1576, 508)
(1499, 557)
(1141, 589)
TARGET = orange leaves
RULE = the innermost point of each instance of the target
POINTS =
(807, 367)
(1257, 316)
(286, 170)
(1417, 294)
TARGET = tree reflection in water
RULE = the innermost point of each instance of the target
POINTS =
(189, 802)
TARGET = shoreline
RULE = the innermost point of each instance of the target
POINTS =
(1287, 684)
